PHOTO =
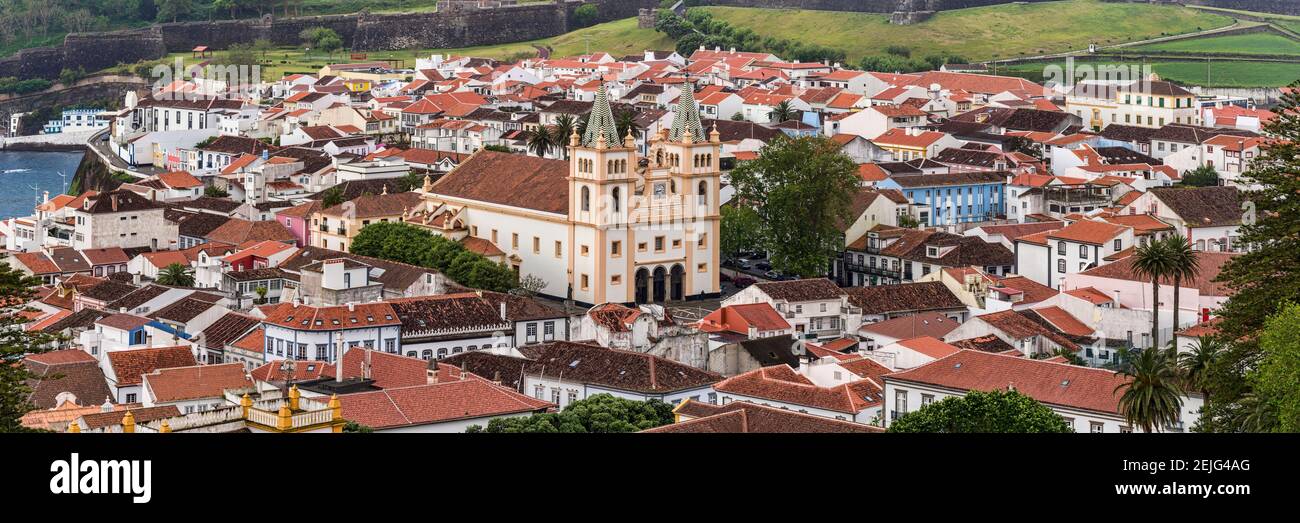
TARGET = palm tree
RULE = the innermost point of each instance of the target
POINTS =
(1153, 261)
(564, 125)
(1183, 265)
(176, 275)
(1197, 365)
(781, 112)
(541, 141)
(1152, 396)
(625, 122)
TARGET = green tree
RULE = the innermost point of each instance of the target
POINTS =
(625, 122)
(781, 112)
(394, 241)
(16, 289)
(1197, 367)
(802, 190)
(1263, 279)
(1152, 397)
(585, 15)
(742, 229)
(600, 413)
(173, 10)
(999, 411)
(1203, 176)
(261, 295)
(541, 141)
(176, 275)
(215, 192)
(331, 197)
(354, 427)
(564, 127)
(1184, 265)
(1154, 261)
(1277, 382)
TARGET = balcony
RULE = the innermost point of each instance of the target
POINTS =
(876, 270)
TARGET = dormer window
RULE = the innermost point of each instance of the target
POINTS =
(932, 252)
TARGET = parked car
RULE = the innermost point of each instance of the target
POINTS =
(744, 281)
(722, 276)
(763, 266)
(743, 264)
(773, 275)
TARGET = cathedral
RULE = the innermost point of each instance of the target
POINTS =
(605, 226)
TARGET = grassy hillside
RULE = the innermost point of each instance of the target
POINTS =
(618, 38)
(1254, 43)
(1000, 31)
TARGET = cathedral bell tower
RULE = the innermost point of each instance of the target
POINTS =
(602, 169)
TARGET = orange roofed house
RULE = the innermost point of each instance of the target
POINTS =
(1085, 397)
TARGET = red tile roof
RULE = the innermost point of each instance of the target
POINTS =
(129, 365)
(1088, 231)
(1048, 382)
(738, 319)
(199, 381)
(929, 346)
(781, 383)
(307, 317)
(467, 398)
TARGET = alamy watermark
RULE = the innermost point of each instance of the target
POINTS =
(1096, 80)
(200, 81)
(102, 476)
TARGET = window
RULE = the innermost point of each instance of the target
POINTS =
(702, 243)
(1083, 251)
(531, 331)
(616, 279)
(927, 399)
(494, 236)
(713, 398)
(548, 330)
(558, 248)
(583, 249)
(1119, 244)
(640, 247)
(586, 199)
(900, 403)
(585, 282)
(1069, 422)
(1060, 248)
(130, 398)
(1096, 426)
(659, 243)
(539, 392)
(573, 395)
(555, 395)
(537, 245)
(677, 244)
(1060, 265)
(616, 248)
(703, 267)
(514, 240)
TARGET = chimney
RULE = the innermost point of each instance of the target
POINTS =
(338, 362)
(352, 307)
(503, 310)
(496, 377)
(121, 310)
(365, 369)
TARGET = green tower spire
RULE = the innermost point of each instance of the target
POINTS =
(601, 122)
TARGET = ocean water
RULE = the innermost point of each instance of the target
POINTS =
(24, 175)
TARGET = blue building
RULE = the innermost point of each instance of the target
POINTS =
(952, 198)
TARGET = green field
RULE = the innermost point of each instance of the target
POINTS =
(620, 37)
(1000, 31)
(1254, 43)
(1220, 73)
